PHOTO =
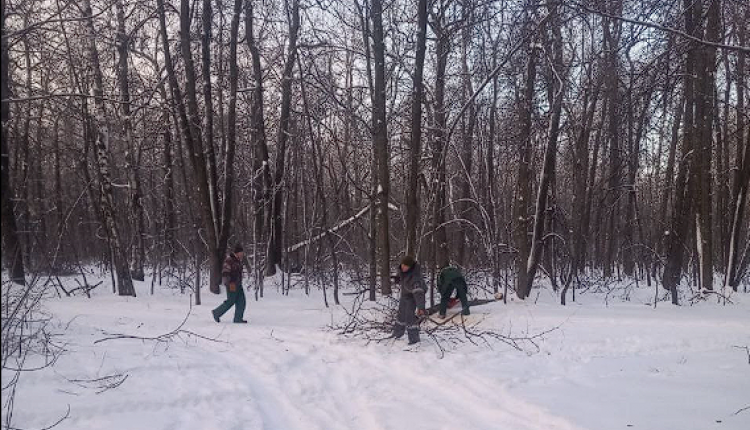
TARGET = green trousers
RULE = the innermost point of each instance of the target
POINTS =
(236, 299)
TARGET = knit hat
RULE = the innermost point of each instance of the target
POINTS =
(408, 261)
(238, 248)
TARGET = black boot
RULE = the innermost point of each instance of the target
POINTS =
(413, 336)
(398, 331)
(466, 311)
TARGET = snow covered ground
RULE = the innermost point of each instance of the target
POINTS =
(614, 365)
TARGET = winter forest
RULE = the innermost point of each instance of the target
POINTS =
(550, 149)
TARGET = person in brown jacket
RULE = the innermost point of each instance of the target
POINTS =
(231, 277)
(411, 304)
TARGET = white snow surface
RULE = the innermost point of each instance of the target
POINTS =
(611, 364)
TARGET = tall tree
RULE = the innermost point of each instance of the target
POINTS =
(415, 142)
(261, 166)
(380, 144)
(557, 77)
(277, 204)
(132, 158)
(741, 173)
(522, 199)
(108, 204)
(440, 138)
(12, 250)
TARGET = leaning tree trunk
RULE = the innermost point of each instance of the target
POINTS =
(523, 183)
(415, 147)
(557, 76)
(124, 280)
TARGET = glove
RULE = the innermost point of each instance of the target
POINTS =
(421, 312)
(232, 287)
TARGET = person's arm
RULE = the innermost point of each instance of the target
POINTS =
(226, 273)
(419, 295)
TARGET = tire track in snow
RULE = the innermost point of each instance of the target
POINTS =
(307, 380)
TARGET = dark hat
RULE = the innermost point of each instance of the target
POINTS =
(238, 248)
(408, 261)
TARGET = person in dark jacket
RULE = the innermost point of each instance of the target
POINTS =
(450, 278)
(231, 277)
(411, 301)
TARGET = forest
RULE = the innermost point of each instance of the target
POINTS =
(571, 141)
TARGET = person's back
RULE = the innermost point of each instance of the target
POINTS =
(450, 278)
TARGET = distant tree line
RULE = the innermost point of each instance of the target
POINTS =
(569, 139)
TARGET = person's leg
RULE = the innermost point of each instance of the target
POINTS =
(412, 322)
(445, 296)
(239, 306)
(461, 289)
(222, 308)
(400, 325)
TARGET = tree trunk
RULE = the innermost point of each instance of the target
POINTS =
(440, 237)
(261, 165)
(557, 78)
(275, 242)
(523, 183)
(612, 201)
(132, 165)
(415, 147)
(108, 205)
(741, 172)
(468, 123)
(704, 112)
(380, 143)
(12, 250)
(217, 248)
(231, 140)
(678, 230)
(197, 156)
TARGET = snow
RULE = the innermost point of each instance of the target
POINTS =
(610, 364)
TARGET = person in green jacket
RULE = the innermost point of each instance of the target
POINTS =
(450, 278)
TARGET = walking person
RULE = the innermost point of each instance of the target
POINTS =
(449, 279)
(411, 301)
(231, 278)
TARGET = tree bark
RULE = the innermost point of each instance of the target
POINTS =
(380, 143)
(741, 173)
(415, 147)
(522, 201)
(12, 250)
(108, 204)
(558, 77)
(440, 237)
(704, 112)
(132, 164)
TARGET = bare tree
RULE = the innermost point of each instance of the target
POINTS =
(415, 143)
(273, 258)
(380, 146)
(12, 251)
(108, 204)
